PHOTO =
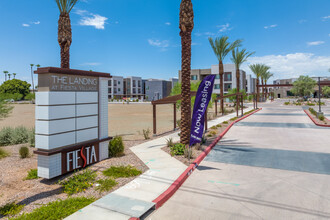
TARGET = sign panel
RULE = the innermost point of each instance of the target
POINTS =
(203, 97)
(62, 82)
(80, 157)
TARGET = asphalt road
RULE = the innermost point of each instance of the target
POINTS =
(272, 165)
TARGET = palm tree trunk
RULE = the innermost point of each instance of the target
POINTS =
(257, 93)
(221, 87)
(262, 89)
(64, 39)
(186, 27)
(32, 81)
(237, 89)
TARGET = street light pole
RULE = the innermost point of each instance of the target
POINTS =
(320, 113)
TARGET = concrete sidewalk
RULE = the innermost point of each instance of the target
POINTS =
(135, 198)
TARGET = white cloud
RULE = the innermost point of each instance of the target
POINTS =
(326, 18)
(36, 22)
(270, 26)
(225, 27)
(292, 65)
(315, 43)
(25, 25)
(90, 19)
(158, 43)
(302, 21)
(208, 34)
(168, 23)
(94, 20)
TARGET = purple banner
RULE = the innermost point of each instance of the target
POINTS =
(202, 100)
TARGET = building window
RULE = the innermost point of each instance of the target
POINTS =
(194, 77)
(109, 90)
(115, 82)
(217, 86)
(134, 90)
(118, 89)
(134, 83)
(227, 87)
(228, 76)
(139, 83)
(115, 90)
(139, 91)
(217, 76)
(109, 83)
(118, 82)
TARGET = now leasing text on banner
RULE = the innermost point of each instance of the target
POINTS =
(202, 100)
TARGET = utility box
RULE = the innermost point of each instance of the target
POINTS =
(71, 120)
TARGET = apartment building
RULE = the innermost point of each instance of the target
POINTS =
(229, 77)
(116, 87)
(157, 89)
(133, 87)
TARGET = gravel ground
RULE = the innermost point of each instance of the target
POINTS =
(34, 193)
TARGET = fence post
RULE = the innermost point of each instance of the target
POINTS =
(174, 112)
(216, 107)
(205, 120)
(242, 104)
(154, 119)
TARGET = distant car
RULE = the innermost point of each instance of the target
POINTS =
(9, 100)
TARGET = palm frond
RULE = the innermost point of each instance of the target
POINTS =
(259, 69)
(221, 47)
(65, 6)
(240, 56)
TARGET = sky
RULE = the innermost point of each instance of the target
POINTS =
(141, 38)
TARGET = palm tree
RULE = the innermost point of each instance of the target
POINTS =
(9, 75)
(5, 72)
(38, 65)
(221, 47)
(14, 74)
(186, 27)
(267, 76)
(32, 77)
(239, 57)
(64, 30)
(258, 70)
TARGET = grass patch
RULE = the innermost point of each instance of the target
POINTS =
(58, 209)
(79, 182)
(3, 153)
(11, 209)
(106, 184)
(32, 174)
(122, 171)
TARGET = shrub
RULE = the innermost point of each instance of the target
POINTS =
(5, 109)
(32, 174)
(20, 135)
(214, 127)
(169, 142)
(204, 139)
(11, 209)
(213, 133)
(78, 182)
(178, 149)
(32, 137)
(106, 184)
(146, 134)
(3, 153)
(188, 153)
(24, 152)
(225, 122)
(313, 111)
(30, 96)
(178, 123)
(121, 171)
(233, 119)
(58, 209)
(219, 125)
(286, 103)
(321, 117)
(310, 104)
(209, 135)
(116, 147)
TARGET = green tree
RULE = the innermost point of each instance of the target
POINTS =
(15, 86)
(176, 90)
(234, 98)
(258, 70)
(5, 72)
(221, 47)
(238, 58)
(326, 91)
(14, 74)
(9, 75)
(304, 86)
(5, 109)
(267, 76)
(64, 30)
(186, 26)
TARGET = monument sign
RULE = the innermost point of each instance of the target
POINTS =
(71, 120)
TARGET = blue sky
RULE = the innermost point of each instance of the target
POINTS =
(130, 37)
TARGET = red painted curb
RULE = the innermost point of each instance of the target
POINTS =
(134, 218)
(315, 122)
(182, 178)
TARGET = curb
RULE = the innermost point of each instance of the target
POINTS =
(182, 178)
(315, 122)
